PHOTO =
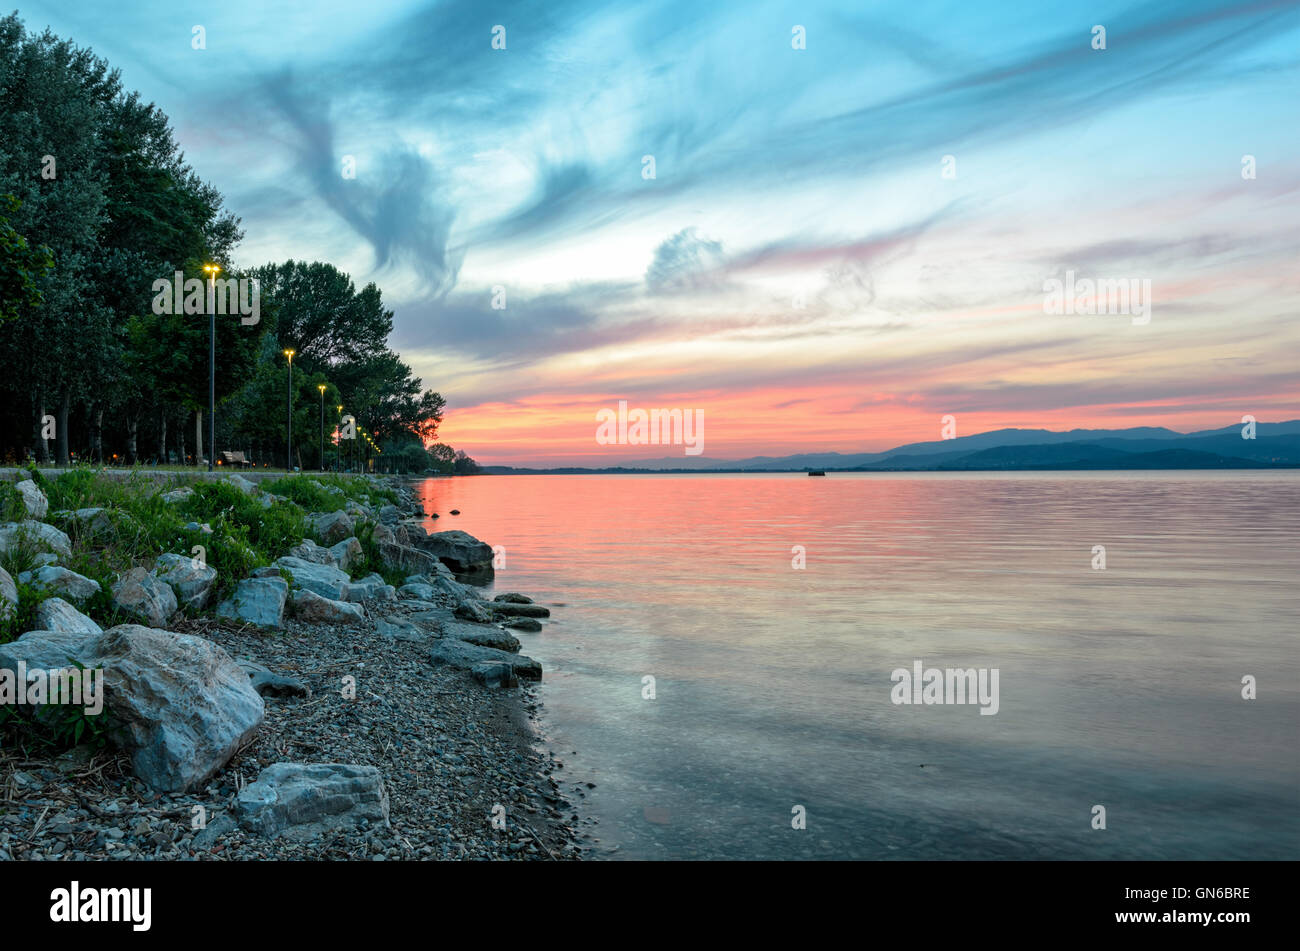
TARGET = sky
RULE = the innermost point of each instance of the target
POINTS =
(849, 231)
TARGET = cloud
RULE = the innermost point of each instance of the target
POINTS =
(685, 262)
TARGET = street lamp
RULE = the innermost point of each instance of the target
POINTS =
(338, 456)
(288, 442)
(321, 387)
(213, 270)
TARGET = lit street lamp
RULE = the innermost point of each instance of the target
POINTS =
(212, 270)
(321, 387)
(288, 441)
(339, 445)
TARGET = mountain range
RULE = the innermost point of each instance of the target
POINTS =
(1141, 447)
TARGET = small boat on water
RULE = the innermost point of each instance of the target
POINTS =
(813, 472)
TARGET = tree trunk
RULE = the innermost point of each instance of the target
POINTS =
(180, 444)
(97, 432)
(198, 437)
(132, 425)
(65, 406)
(162, 439)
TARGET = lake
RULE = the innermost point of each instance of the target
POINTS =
(772, 700)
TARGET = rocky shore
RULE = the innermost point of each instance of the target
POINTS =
(310, 712)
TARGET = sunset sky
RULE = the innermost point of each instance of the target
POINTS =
(799, 269)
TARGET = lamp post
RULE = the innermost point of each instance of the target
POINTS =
(288, 441)
(321, 387)
(213, 270)
(338, 457)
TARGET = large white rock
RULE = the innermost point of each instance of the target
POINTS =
(308, 550)
(192, 583)
(310, 606)
(140, 593)
(325, 580)
(34, 499)
(37, 534)
(460, 551)
(55, 614)
(65, 582)
(8, 595)
(332, 527)
(346, 553)
(306, 799)
(257, 601)
(179, 704)
(242, 484)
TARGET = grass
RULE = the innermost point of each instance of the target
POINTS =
(328, 492)
(138, 525)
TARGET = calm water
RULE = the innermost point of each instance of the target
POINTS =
(1119, 687)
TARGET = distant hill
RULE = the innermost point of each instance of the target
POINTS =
(1141, 447)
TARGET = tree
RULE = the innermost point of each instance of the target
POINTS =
(21, 266)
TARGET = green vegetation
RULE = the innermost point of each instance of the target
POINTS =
(329, 493)
(97, 206)
(24, 619)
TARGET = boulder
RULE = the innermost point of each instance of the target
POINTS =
(494, 673)
(514, 598)
(34, 499)
(398, 629)
(526, 624)
(55, 614)
(310, 606)
(382, 534)
(325, 580)
(484, 635)
(346, 553)
(414, 590)
(371, 586)
(512, 609)
(92, 522)
(305, 800)
(453, 589)
(461, 552)
(462, 655)
(8, 595)
(257, 601)
(242, 484)
(141, 594)
(415, 530)
(47, 650)
(178, 704)
(308, 550)
(205, 528)
(270, 684)
(332, 527)
(38, 535)
(192, 583)
(389, 514)
(176, 496)
(398, 557)
(471, 610)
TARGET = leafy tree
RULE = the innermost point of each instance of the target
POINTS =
(21, 266)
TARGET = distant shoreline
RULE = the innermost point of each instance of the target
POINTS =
(616, 470)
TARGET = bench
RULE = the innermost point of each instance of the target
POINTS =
(236, 458)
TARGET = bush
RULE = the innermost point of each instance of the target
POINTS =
(19, 622)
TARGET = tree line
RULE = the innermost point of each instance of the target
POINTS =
(97, 205)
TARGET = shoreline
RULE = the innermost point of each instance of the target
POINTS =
(466, 772)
